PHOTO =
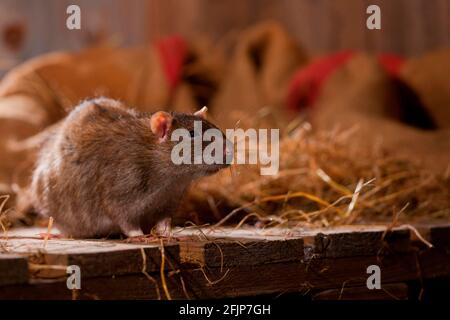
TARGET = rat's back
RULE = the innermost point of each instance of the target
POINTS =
(84, 166)
(107, 169)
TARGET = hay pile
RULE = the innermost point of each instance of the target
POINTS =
(324, 180)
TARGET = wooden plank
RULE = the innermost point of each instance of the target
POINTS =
(409, 27)
(241, 274)
(317, 274)
(355, 240)
(392, 291)
(437, 233)
(13, 269)
(229, 247)
(440, 236)
(247, 280)
(134, 286)
(94, 257)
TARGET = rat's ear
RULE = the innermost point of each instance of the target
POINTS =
(201, 113)
(160, 124)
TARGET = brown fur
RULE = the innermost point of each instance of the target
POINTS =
(104, 172)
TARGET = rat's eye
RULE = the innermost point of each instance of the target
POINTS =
(194, 133)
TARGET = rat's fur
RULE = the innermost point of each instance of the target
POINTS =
(104, 172)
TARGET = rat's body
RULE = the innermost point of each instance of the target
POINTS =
(107, 170)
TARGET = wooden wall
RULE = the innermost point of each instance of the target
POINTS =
(408, 26)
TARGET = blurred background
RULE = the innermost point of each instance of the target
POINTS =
(409, 27)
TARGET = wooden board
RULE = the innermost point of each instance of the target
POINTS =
(132, 286)
(13, 269)
(438, 234)
(303, 277)
(349, 241)
(219, 263)
(95, 258)
(230, 247)
(240, 281)
(393, 291)
(409, 27)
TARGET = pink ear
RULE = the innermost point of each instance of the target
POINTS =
(160, 124)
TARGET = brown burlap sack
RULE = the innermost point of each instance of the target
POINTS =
(429, 76)
(200, 78)
(360, 95)
(40, 92)
(263, 61)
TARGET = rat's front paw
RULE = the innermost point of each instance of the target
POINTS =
(134, 233)
(164, 228)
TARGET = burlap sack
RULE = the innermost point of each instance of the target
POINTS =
(201, 77)
(429, 76)
(40, 92)
(361, 95)
(263, 61)
(308, 80)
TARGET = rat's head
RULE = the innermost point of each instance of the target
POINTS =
(196, 146)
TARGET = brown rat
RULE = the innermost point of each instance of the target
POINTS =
(107, 170)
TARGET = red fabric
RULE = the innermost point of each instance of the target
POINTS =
(307, 82)
(391, 63)
(172, 52)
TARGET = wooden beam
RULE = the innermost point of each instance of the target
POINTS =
(13, 269)
(94, 257)
(229, 247)
(392, 291)
(354, 240)
(132, 286)
(438, 234)
(306, 276)
(249, 262)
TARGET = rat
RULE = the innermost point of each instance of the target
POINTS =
(107, 169)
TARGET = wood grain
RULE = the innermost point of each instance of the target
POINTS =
(317, 274)
(95, 258)
(438, 234)
(134, 286)
(250, 262)
(392, 291)
(348, 241)
(13, 269)
(409, 27)
(229, 247)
